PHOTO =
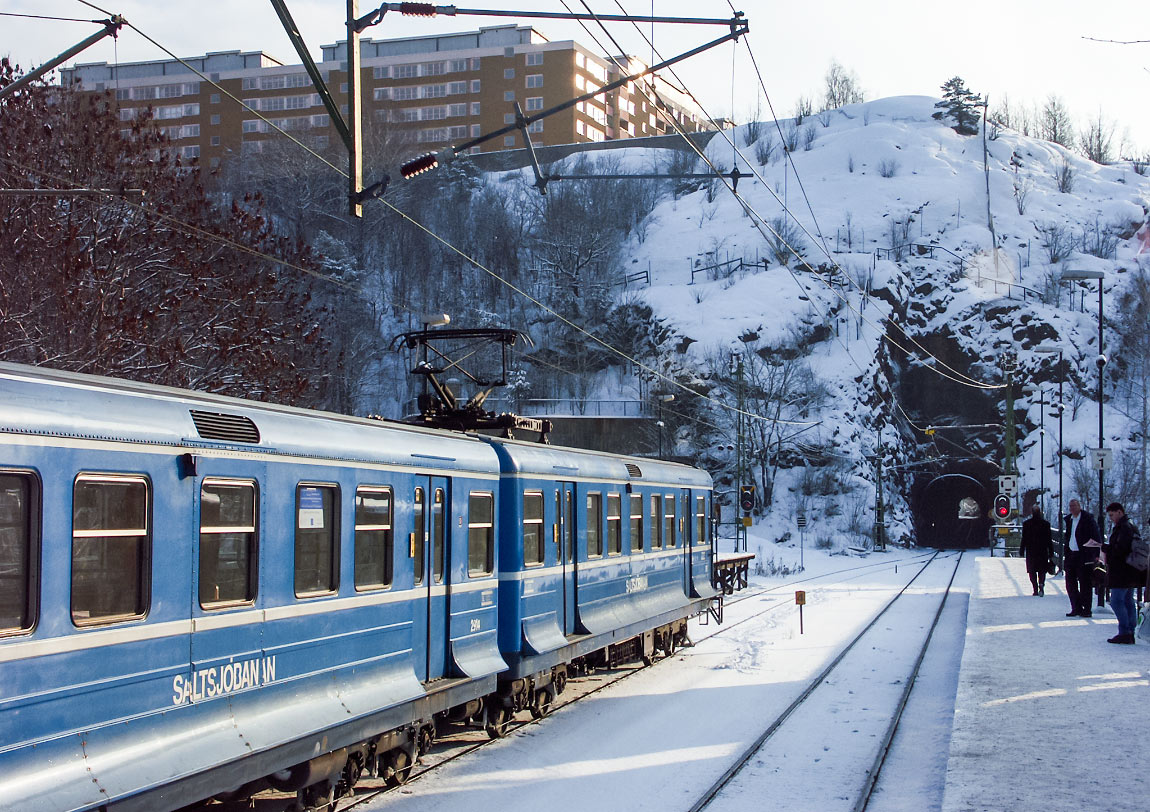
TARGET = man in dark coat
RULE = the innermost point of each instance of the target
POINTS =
(1122, 577)
(1080, 553)
(1038, 547)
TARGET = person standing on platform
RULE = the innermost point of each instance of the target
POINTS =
(1123, 578)
(1038, 547)
(1083, 543)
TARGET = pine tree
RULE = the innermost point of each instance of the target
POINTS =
(959, 105)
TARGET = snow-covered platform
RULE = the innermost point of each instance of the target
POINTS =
(1048, 714)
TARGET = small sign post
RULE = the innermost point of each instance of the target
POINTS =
(800, 601)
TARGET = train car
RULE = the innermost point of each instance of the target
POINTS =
(602, 559)
(202, 596)
(196, 592)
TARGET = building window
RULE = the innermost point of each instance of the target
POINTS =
(509, 73)
(475, 63)
(406, 71)
(316, 547)
(594, 525)
(475, 85)
(456, 88)
(535, 58)
(480, 534)
(458, 65)
(456, 132)
(215, 140)
(214, 98)
(636, 523)
(19, 553)
(433, 91)
(509, 95)
(535, 80)
(535, 127)
(475, 108)
(373, 538)
(380, 72)
(534, 102)
(228, 564)
(454, 110)
(509, 52)
(533, 528)
(215, 120)
(433, 68)
(508, 118)
(111, 548)
(476, 131)
(509, 140)
(405, 93)
(381, 94)
(251, 83)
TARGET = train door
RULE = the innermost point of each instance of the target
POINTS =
(429, 552)
(565, 550)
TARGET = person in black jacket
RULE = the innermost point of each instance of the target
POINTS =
(1122, 577)
(1080, 553)
(1038, 547)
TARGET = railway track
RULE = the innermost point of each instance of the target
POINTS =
(848, 703)
(459, 745)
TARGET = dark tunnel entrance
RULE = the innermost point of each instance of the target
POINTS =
(951, 509)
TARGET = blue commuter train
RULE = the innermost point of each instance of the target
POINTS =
(202, 596)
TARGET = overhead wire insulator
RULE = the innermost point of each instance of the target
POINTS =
(417, 9)
(418, 166)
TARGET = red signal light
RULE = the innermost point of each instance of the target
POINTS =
(1002, 506)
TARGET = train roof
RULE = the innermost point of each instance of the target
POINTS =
(41, 401)
(535, 459)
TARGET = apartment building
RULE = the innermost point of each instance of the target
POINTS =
(435, 90)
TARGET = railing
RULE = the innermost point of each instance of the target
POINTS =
(576, 407)
(1024, 292)
(922, 249)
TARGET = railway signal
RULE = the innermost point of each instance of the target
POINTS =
(1002, 507)
(747, 498)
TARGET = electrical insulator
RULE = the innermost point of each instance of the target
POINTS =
(418, 166)
(417, 9)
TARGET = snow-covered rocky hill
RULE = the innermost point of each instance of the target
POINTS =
(898, 314)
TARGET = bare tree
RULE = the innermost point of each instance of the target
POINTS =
(804, 107)
(1096, 139)
(841, 87)
(1055, 124)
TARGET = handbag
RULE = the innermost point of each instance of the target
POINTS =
(1098, 574)
(1051, 567)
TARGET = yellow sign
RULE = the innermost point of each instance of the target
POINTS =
(800, 598)
(746, 521)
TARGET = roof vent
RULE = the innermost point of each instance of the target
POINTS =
(633, 470)
(231, 428)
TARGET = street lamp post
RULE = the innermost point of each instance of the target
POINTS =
(660, 400)
(1049, 349)
(1101, 361)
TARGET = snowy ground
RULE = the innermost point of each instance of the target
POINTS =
(1036, 692)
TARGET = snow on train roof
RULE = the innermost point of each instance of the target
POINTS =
(527, 458)
(54, 403)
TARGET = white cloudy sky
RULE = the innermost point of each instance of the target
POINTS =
(1025, 49)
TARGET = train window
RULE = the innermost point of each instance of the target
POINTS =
(111, 548)
(316, 540)
(19, 520)
(636, 523)
(417, 537)
(669, 521)
(656, 523)
(227, 543)
(480, 533)
(594, 525)
(614, 525)
(374, 545)
(569, 525)
(700, 520)
(533, 528)
(437, 533)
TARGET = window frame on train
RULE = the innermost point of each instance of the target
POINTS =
(701, 536)
(656, 521)
(25, 556)
(533, 543)
(636, 522)
(330, 516)
(250, 544)
(670, 537)
(376, 536)
(594, 528)
(480, 534)
(137, 584)
(615, 524)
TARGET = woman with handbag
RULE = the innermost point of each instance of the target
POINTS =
(1038, 547)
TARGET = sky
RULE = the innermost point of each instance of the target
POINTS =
(896, 47)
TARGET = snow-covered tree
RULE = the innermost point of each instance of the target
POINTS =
(960, 106)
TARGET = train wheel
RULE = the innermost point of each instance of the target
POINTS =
(426, 738)
(401, 765)
(542, 704)
(319, 797)
(559, 681)
(498, 721)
